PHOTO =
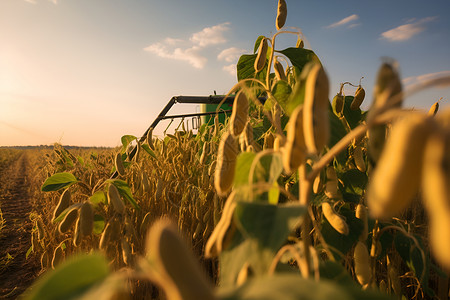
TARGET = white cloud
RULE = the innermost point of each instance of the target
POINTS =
(406, 31)
(354, 25)
(171, 41)
(34, 1)
(191, 55)
(231, 54)
(191, 50)
(424, 78)
(344, 21)
(210, 35)
(231, 69)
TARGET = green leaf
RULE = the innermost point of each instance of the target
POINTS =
(80, 160)
(269, 225)
(412, 255)
(299, 57)
(263, 228)
(126, 140)
(67, 157)
(268, 168)
(71, 279)
(64, 212)
(354, 181)
(339, 275)
(124, 191)
(58, 181)
(29, 251)
(353, 117)
(337, 132)
(340, 242)
(243, 164)
(246, 68)
(148, 150)
(286, 287)
(336, 272)
(233, 258)
(99, 224)
(97, 198)
(281, 91)
(274, 194)
(297, 97)
(257, 42)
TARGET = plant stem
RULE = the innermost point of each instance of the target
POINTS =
(304, 195)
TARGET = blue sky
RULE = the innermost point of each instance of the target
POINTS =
(86, 72)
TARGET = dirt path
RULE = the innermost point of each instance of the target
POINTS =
(17, 272)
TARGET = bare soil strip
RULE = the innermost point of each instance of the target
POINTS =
(18, 273)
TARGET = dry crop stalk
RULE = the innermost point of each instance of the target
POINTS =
(68, 220)
(145, 223)
(335, 219)
(204, 153)
(40, 228)
(218, 239)
(281, 14)
(268, 140)
(58, 256)
(34, 241)
(44, 260)
(315, 112)
(77, 234)
(138, 152)
(396, 179)
(216, 125)
(115, 200)
(239, 114)
(383, 286)
(276, 116)
(394, 278)
(248, 135)
(294, 148)
(126, 251)
(260, 61)
(149, 139)
(86, 219)
(64, 202)
(145, 182)
(119, 164)
(277, 143)
(226, 162)
(159, 189)
(105, 237)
